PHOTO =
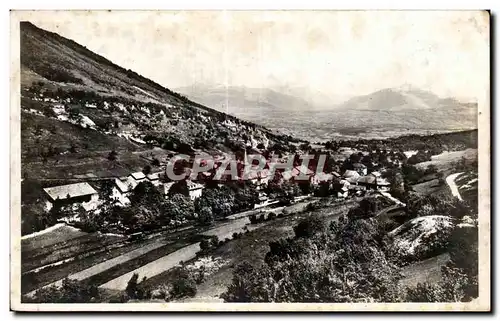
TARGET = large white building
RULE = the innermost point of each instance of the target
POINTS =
(71, 194)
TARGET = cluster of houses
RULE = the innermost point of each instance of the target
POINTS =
(353, 181)
(85, 195)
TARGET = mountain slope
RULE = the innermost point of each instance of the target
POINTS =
(70, 94)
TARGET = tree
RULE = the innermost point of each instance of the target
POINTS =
(179, 187)
(132, 287)
(155, 162)
(220, 199)
(146, 170)
(205, 216)
(308, 227)
(179, 208)
(347, 266)
(183, 285)
(112, 155)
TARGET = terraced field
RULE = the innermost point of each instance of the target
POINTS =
(110, 260)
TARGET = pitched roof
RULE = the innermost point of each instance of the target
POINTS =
(321, 177)
(138, 175)
(358, 165)
(125, 185)
(367, 180)
(349, 173)
(297, 170)
(383, 182)
(73, 190)
(192, 185)
(153, 176)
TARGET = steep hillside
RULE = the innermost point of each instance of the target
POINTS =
(78, 104)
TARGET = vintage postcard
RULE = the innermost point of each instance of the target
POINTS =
(250, 160)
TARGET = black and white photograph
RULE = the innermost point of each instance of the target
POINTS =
(250, 160)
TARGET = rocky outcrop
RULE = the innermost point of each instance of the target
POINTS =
(421, 237)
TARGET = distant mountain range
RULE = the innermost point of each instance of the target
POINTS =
(384, 113)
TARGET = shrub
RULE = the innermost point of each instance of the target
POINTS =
(308, 227)
(271, 216)
(70, 291)
(183, 285)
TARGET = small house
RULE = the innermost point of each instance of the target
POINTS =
(138, 176)
(195, 189)
(154, 178)
(121, 190)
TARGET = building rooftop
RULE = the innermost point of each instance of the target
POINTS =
(138, 175)
(367, 180)
(192, 185)
(73, 190)
(358, 165)
(350, 173)
(153, 176)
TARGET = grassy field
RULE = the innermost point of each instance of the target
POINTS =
(58, 233)
(424, 271)
(445, 160)
(92, 148)
(427, 188)
(57, 252)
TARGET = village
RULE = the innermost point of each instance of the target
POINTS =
(356, 181)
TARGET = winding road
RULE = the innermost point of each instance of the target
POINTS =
(450, 180)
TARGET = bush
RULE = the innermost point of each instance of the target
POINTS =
(308, 227)
(70, 291)
(183, 285)
(271, 216)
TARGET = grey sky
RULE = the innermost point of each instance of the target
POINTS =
(339, 54)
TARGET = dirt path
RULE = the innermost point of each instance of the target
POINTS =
(450, 180)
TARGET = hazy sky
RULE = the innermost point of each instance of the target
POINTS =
(339, 54)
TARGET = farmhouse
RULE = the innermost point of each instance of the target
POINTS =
(79, 193)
